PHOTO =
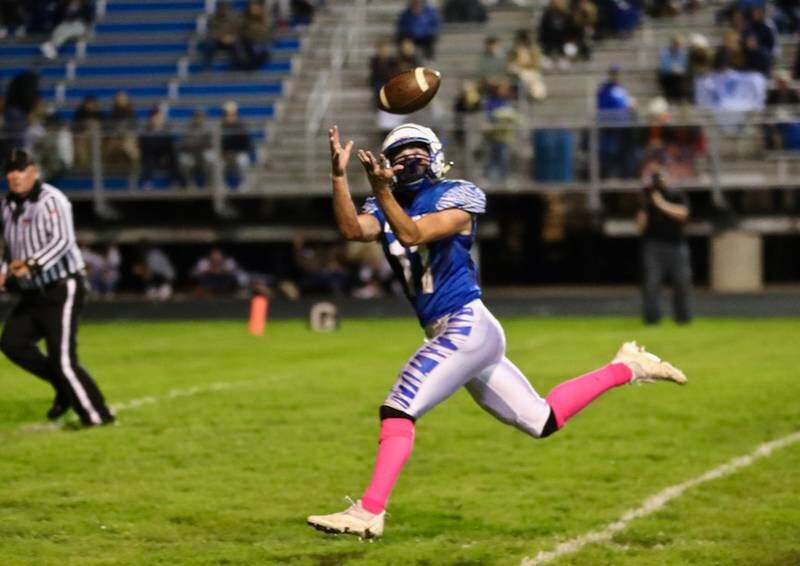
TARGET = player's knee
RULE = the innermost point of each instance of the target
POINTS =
(392, 413)
(550, 426)
(534, 428)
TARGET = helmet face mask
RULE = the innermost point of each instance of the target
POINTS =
(416, 167)
(415, 159)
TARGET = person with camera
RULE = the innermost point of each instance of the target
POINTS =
(665, 252)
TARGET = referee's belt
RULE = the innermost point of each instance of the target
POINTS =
(57, 283)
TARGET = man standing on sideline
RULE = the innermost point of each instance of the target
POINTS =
(43, 261)
(665, 253)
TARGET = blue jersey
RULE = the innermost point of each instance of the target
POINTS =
(438, 277)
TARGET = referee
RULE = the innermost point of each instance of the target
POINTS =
(43, 263)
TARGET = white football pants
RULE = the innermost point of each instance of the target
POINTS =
(467, 348)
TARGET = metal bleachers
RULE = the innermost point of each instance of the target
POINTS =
(152, 50)
(149, 49)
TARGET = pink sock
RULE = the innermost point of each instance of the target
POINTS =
(568, 398)
(396, 442)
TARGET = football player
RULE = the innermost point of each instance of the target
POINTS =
(427, 225)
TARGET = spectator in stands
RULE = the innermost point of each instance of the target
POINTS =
(102, 269)
(673, 68)
(303, 11)
(756, 59)
(665, 253)
(86, 118)
(464, 11)
(57, 150)
(555, 31)
(525, 64)
(584, 21)
(237, 146)
(12, 18)
(157, 148)
(321, 267)
(584, 25)
(34, 133)
(672, 148)
(492, 62)
(253, 41)
(468, 102)
(615, 110)
(407, 57)
(784, 94)
(700, 59)
(500, 132)
(372, 274)
(783, 101)
(729, 54)
(120, 145)
(382, 66)
(618, 18)
(196, 156)
(222, 29)
(88, 110)
(74, 19)
(612, 95)
(420, 23)
(763, 28)
(218, 274)
(281, 10)
(155, 272)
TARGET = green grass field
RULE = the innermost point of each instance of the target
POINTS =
(226, 474)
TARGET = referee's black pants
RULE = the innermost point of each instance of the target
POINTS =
(52, 313)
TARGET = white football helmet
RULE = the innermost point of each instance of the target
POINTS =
(406, 134)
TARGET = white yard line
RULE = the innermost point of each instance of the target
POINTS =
(154, 400)
(659, 500)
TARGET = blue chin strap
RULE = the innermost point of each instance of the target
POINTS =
(416, 171)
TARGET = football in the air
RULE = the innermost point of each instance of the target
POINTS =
(409, 91)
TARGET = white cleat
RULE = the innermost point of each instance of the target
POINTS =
(355, 520)
(647, 367)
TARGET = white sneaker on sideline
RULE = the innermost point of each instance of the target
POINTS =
(647, 367)
(355, 520)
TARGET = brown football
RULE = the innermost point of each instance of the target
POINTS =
(409, 91)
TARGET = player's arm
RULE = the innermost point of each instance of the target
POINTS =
(409, 232)
(353, 226)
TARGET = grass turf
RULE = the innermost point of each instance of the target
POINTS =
(227, 476)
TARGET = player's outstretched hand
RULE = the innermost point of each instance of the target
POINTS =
(339, 155)
(379, 170)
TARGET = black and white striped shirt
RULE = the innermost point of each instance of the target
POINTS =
(40, 228)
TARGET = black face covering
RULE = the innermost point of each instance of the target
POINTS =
(414, 168)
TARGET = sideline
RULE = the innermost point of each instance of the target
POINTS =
(659, 500)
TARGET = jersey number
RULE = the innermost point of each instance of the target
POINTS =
(416, 265)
